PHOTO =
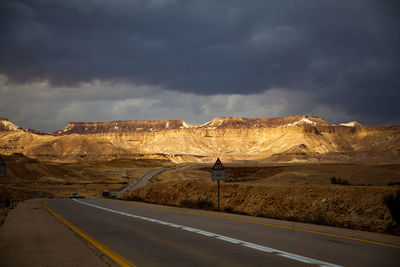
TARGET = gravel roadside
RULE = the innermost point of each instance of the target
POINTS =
(31, 236)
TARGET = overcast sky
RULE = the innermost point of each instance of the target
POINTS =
(108, 60)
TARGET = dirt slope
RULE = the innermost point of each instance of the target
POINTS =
(354, 207)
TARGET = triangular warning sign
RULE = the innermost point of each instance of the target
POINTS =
(218, 165)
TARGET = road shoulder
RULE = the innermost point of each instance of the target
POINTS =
(31, 236)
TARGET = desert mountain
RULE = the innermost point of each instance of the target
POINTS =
(163, 125)
(306, 138)
(6, 125)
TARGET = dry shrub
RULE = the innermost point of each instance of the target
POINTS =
(339, 181)
(9, 195)
(355, 207)
(197, 204)
(393, 204)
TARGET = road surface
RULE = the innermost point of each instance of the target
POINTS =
(152, 235)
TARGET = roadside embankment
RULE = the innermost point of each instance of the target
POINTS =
(8, 198)
(354, 207)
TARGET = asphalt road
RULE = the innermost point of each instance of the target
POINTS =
(152, 235)
(144, 180)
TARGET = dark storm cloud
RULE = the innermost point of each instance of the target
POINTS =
(344, 52)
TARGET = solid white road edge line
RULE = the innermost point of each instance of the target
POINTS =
(221, 237)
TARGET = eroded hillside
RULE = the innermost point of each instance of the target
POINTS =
(297, 138)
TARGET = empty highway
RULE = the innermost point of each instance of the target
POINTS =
(153, 235)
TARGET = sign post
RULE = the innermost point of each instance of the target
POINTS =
(218, 174)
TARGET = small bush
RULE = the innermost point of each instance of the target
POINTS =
(393, 204)
(135, 198)
(339, 181)
(228, 209)
(320, 219)
(198, 204)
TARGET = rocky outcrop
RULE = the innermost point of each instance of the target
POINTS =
(121, 126)
(164, 125)
(267, 139)
(351, 124)
(6, 125)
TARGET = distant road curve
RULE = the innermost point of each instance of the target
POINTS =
(144, 180)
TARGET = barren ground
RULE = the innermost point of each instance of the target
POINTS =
(291, 173)
(32, 178)
(298, 192)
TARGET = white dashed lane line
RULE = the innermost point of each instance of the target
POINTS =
(221, 237)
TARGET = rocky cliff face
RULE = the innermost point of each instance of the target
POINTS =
(163, 125)
(121, 126)
(294, 138)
